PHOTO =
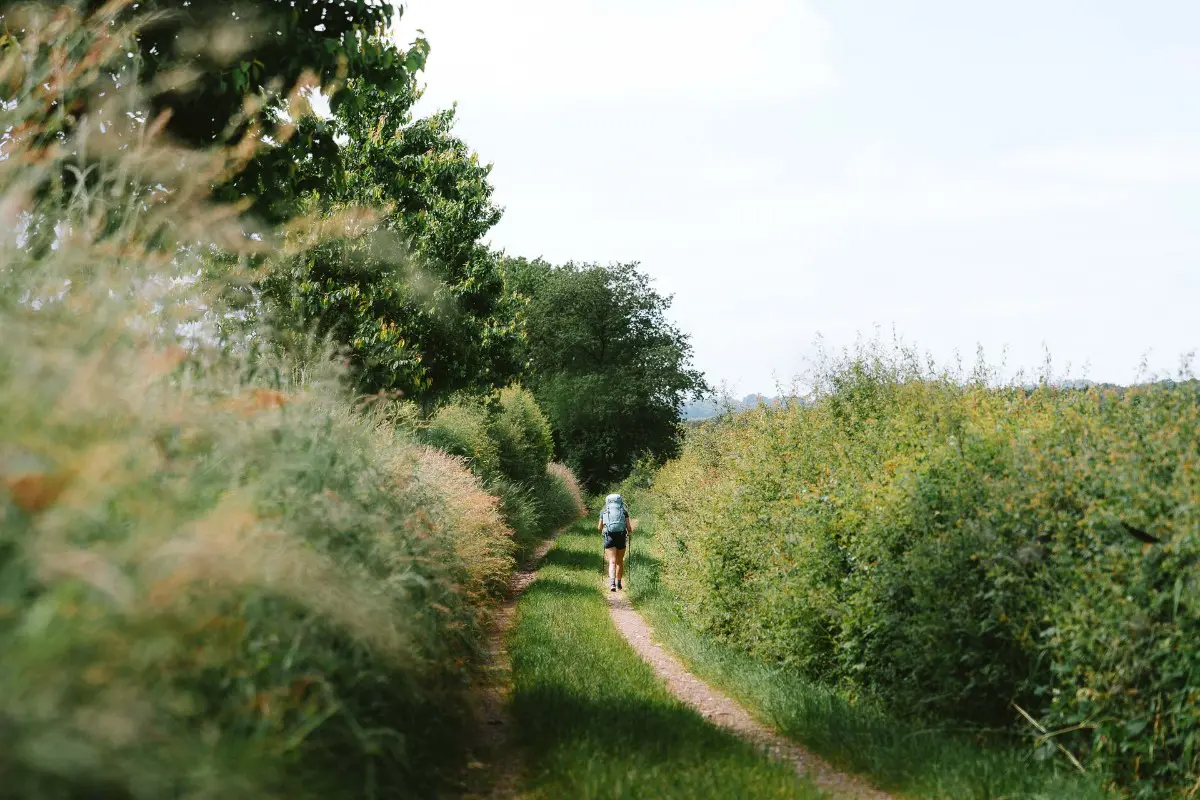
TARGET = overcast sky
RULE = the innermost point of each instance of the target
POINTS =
(1020, 175)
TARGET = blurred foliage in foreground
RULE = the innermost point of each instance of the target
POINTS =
(963, 553)
(218, 577)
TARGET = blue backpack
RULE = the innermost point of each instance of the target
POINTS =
(614, 517)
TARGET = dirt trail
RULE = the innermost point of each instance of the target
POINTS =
(722, 710)
(494, 763)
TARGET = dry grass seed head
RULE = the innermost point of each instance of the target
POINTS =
(231, 546)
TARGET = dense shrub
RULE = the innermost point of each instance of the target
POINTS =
(482, 540)
(463, 429)
(955, 550)
(507, 443)
(562, 497)
(521, 508)
(216, 578)
(522, 436)
(218, 587)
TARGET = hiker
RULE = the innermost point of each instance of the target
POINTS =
(617, 530)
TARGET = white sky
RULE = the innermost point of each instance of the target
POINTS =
(1020, 175)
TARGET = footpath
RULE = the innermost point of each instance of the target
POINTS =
(546, 725)
(494, 762)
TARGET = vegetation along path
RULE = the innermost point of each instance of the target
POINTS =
(592, 720)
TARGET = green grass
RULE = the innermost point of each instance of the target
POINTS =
(896, 756)
(592, 718)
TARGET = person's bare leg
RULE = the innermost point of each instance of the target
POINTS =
(619, 563)
(611, 554)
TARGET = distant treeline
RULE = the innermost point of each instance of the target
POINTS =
(715, 406)
(709, 407)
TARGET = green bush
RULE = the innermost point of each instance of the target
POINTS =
(560, 496)
(216, 579)
(522, 510)
(209, 586)
(522, 436)
(508, 445)
(226, 598)
(463, 429)
(955, 550)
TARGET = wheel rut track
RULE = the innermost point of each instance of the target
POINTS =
(494, 765)
(723, 711)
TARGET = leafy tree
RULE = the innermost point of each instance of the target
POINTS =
(224, 70)
(610, 371)
(242, 48)
(277, 43)
(522, 433)
(418, 300)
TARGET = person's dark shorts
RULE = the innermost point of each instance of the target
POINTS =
(616, 540)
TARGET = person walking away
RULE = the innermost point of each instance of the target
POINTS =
(617, 530)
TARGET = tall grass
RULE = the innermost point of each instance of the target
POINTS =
(963, 554)
(217, 578)
(564, 500)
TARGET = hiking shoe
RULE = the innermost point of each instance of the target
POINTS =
(618, 584)
(612, 587)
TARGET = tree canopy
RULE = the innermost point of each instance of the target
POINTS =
(608, 367)
(418, 299)
(414, 295)
(235, 51)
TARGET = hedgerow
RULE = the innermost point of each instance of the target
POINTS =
(962, 553)
(507, 443)
(219, 577)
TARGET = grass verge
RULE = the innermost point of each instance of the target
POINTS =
(893, 754)
(594, 720)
